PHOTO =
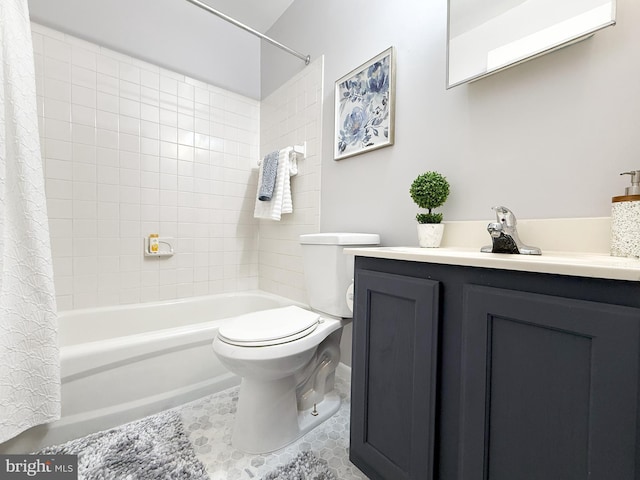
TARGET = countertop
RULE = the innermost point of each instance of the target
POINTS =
(592, 265)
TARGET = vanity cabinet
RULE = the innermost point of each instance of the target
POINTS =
(467, 373)
(396, 340)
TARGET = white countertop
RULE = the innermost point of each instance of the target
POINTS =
(592, 265)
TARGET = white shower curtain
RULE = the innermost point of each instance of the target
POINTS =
(29, 360)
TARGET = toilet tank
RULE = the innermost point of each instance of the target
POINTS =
(328, 271)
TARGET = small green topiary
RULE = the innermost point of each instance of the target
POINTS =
(429, 190)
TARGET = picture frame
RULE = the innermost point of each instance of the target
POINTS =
(365, 107)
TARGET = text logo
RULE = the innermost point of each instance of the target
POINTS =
(50, 467)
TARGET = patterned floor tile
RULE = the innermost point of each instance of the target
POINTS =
(209, 423)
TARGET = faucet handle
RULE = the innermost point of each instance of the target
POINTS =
(494, 229)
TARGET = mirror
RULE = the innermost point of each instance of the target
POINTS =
(485, 36)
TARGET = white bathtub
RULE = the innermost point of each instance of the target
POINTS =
(123, 363)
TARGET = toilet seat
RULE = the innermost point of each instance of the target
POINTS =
(269, 327)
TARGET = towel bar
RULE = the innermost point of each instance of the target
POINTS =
(300, 152)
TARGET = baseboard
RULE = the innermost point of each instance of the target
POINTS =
(343, 372)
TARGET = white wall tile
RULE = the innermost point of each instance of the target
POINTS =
(107, 157)
(57, 129)
(57, 109)
(129, 72)
(168, 150)
(149, 146)
(127, 152)
(54, 69)
(280, 261)
(83, 115)
(130, 108)
(107, 84)
(129, 143)
(84, 57)
(58, 149)
(106, 120)
(129, 90)
(58, 189)
(150, 79)
(149, 130)
(150, 96)
(129, 125)
(59, 169)
(186, 137)
(106, 102)
(106, 138)
(130, 160)
(82, 95)
(168, 84)
(168, 101)
(57, 89)
(84, 191)
(150, 113)
(84, 77)
(107, 65)
(84, 134)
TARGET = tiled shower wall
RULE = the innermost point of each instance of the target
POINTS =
(131, 149)
(292, 115)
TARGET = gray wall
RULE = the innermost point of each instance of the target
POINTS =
(170, 33)
(547, 138)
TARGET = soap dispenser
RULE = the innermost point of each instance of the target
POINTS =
(625, 219)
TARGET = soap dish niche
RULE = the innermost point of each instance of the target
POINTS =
(165, 247)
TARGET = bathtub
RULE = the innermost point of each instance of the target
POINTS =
(122, 363)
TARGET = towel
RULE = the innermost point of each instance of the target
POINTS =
(281, 200)
(268, 172)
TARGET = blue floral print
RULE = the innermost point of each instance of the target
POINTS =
(364, 107)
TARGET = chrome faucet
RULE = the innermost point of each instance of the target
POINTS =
(504, 235)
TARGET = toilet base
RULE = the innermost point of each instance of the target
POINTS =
(267, 417)
(307, 421)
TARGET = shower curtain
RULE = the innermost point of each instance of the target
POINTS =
(29, 360)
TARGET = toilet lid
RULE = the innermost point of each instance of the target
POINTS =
(269, 327)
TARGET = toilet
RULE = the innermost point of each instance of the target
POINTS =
(287, 356)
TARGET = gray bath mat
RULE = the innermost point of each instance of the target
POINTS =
(306, 466)
(153, 448)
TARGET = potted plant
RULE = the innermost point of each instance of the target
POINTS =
(429, 190)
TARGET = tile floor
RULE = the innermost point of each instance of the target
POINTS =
(209, 422)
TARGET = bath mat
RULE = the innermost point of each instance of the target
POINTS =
(152, 448)
(306, 466)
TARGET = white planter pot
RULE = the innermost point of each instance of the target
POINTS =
(430, 234)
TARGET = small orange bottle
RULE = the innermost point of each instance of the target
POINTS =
(154, 243)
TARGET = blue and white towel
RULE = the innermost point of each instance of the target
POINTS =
(281, 200)
(268, 170)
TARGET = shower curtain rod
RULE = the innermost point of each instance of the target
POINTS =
(204, 6)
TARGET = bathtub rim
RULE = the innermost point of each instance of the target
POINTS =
(176, 301)
(85, 358)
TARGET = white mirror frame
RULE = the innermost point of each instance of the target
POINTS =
(491, 39)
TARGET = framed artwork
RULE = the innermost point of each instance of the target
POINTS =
(364, 110)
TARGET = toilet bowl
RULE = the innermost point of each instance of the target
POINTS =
(287, 356)
(287, 374)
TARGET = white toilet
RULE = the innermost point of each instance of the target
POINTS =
(287, 356)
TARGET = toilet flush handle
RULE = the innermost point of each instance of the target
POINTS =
(349, 296)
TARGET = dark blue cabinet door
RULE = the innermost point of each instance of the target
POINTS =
(548, 387)
(393, 391)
